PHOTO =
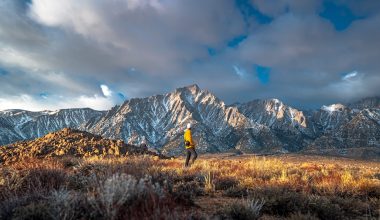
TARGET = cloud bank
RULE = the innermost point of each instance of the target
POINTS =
(92, 53)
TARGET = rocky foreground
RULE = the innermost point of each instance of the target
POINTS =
(67, 142)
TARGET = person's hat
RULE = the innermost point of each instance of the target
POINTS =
(188, 125)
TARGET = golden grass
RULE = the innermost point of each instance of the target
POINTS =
(337, 183)
(331, 178)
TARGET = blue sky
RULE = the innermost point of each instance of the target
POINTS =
(62, 54)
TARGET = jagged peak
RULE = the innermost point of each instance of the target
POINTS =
(274, 100)
(193, 89)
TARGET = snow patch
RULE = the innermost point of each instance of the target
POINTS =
(333, 107)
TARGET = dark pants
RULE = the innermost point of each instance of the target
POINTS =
(190, 151)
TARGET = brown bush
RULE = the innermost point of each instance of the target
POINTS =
(41, 180)
(249, 209)
(11, 203)
(224, 183)
(38, 210)
(237, 191)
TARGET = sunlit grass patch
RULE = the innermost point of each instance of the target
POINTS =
(328, 189)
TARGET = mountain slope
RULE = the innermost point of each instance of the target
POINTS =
(287, 123)
(361, 133)
(331, 117)
(162, 119)
(24, 125)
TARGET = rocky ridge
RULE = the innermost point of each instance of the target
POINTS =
(67, 142)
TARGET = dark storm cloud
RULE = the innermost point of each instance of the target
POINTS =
(309, 56)
(87, 53)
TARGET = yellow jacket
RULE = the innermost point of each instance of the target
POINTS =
(187, 137)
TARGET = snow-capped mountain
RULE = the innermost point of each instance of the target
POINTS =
(329, 118)
(256, 126)
(289, 124)
(358, 137)
(23, 125)
(162, 120)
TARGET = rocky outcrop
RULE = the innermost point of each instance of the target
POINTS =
(67, 142)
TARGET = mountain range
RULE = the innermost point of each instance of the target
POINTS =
(258, 126)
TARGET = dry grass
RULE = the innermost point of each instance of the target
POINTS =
(146, 187)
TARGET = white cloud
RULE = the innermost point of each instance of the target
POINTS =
(239, 71)
(28, 102)
(12, 57)
(106, 91)
(350, 75)
(151, 35)
(64, 48)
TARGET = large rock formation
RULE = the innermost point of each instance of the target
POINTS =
(67, 142)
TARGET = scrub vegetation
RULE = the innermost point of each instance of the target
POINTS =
(215, 187)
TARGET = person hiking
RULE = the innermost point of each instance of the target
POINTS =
(189, 145)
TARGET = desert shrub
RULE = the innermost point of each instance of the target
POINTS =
(280, 200)
(64, 204)
(79, 182)
(164, 178)
(372, 191)
(28, 181)
(42, 179)
(374, 207)
(123, 195)
(69, 162)
(224, 183)
(37, 211)
(112, 194)
(10, 180)
(352, 207)
(11, 203)
(89, 168)
(324, 208)
(247, 209)
(237, 191)
(187, 177)
(209, 181)
(302, 216)
(283, 203)
(185, 192)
